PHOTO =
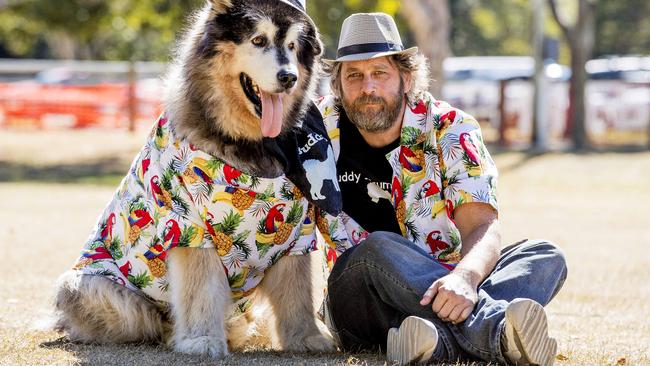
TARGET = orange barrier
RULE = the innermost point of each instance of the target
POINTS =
(76, 106)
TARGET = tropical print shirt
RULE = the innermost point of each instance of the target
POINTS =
(177, 196)
(441, 163)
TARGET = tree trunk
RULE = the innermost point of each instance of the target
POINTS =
(540, 105)
(580, 54)
(581, 38)
(429, 20)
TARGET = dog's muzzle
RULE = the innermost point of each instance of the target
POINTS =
(287, 79)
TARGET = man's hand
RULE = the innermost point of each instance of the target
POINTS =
(455, 295)
(454, 298)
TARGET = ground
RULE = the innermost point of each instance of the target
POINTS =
(595, 206)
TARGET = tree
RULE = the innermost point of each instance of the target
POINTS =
(581, 38)
(93, 29)
(622, 27)
(430, 22)
(490, 27)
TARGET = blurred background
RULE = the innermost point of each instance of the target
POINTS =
(561, 89)
(536, 73)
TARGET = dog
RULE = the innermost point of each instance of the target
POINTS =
(170, 257)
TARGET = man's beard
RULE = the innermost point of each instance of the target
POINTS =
(375, 120)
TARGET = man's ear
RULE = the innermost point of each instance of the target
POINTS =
(220, 6)
(408, 82)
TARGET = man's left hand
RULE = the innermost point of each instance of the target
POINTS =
(453, 297)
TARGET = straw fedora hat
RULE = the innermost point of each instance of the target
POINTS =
(369, 35)
(298, 4)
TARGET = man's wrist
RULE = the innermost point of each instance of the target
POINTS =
(471, 276)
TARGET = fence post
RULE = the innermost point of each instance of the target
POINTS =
(647, 85)
(132, 97)
(503, 142)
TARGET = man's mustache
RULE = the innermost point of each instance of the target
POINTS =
(369, 99)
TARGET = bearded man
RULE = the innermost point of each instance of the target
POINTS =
(417, 264)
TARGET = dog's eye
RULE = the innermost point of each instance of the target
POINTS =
(259, 41)
(291, 46)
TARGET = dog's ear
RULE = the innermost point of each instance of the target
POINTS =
(312, 37)
(317, 45)
(220, 6)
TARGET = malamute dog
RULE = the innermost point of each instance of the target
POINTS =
(205, 223)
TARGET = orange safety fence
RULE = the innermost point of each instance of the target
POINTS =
(76, 106)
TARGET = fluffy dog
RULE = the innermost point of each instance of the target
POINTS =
(201, 228)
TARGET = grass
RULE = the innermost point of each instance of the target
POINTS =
(596, 206)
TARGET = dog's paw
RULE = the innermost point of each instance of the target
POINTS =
(204, 346)
(318, 342)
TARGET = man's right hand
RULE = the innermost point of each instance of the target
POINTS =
(454, 298)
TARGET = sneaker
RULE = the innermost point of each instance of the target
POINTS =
(525, 339)
(413, 342)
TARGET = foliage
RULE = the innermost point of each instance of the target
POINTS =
(490, 28)
(93, 29)
(622, 27)
(146, 29)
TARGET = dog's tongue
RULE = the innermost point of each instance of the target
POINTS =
(271, 114)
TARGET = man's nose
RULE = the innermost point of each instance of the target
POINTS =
(368, 86)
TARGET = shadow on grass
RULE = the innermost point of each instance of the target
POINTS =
(151, 354)
(104, 171)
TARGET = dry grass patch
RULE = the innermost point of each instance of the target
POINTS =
(595, 206)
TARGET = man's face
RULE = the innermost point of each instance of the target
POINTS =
(373, 93)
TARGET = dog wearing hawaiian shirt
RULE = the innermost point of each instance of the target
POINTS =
(200, 229)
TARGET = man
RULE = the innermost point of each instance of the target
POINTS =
(417, 261)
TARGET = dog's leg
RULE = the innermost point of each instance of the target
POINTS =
(241, 331)
(94, 309)
(288, 287)
(200, 300)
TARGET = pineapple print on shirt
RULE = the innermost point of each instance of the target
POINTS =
(176, 195)
(441, 163)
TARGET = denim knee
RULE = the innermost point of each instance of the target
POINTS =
(376, 249)
(554, 256)
(554, 260)
(378, 245)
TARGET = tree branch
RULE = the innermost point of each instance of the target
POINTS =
(568, 31)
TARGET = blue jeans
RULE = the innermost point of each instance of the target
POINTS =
(377, 284)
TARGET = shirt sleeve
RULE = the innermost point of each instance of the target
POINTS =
(340, 233)
(468, 171)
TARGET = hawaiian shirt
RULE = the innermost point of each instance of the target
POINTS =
(440, 164)
(177, 196)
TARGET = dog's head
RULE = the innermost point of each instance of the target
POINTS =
(251, 65)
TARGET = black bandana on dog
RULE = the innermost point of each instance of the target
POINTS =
(309, 163)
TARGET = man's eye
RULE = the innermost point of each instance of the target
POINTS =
(355, 75)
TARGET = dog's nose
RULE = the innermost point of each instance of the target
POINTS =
(287, 79)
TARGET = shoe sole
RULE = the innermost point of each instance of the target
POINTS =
(528, 320)
(413, 342)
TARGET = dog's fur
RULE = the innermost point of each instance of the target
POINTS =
(206, 101)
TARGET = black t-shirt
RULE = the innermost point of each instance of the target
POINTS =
(365, 180)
